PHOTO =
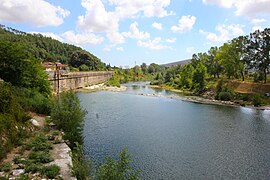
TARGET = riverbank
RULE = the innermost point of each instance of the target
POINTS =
(43, 155)
(103, 87)
(201, 100)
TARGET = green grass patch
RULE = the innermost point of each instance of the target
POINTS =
(51, 171)
(6, 167)
(40, 157)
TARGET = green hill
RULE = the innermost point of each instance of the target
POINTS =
(48, 49)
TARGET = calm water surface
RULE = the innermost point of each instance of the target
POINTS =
(174, 139)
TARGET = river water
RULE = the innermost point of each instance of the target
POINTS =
(173, 139)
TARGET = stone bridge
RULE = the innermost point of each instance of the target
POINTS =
(64, 81)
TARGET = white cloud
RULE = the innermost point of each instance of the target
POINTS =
(254, 28)
(36, 12)
(185, 24)
(150, 8)
(120, 49)
(157, 26)
(98, 19)
(249, 8)
(171, 40)
(221, 3)
(190, 50)
(82, 39)
(115, 38)
(135, 33)
(225, 33)
(257, 20)
(154, 44)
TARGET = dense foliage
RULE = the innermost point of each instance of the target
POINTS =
(68, 115)
(48, 49)
(243, 57)
(20, 68)
(12, 120)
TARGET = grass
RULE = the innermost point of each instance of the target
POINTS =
(40, 157)
(40, 143)
(6, 167)
(51, 171)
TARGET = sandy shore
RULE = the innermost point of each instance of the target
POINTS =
(104, 88)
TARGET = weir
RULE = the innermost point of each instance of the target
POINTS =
(64, 81)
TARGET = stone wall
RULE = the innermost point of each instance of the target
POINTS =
(75, 80)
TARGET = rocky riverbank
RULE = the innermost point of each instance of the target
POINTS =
(202, 100)
(103, 87)
(45, 155)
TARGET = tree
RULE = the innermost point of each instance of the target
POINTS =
(186, 75)
(20, 68)
(144, 68)
(230, 54)
(258, 51)
(79, 58)
(212, 64)
(199, 77)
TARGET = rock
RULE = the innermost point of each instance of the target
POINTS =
(2, 174)
(35, 122)
(61, 155)
(17, 172)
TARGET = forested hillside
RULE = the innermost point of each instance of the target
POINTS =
(48, 49)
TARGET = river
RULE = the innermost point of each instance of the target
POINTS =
(174, 139)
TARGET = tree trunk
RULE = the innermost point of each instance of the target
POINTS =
(243, 76)
(265, 75)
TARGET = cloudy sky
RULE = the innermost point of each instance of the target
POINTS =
(125, 32)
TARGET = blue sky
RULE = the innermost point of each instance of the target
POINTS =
(125, 32)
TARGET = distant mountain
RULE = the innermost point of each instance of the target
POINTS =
(182, 63)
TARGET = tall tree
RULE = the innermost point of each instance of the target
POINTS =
(199, 77)
(214, 67)
(258, 51)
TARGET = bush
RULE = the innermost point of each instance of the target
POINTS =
(6, 167)
(68, 115)
(40, 143)
(51, 171)
(40, 157)
(257, 100)
(32, 100)
(117, 169)
(224, 96)
(81, 165)
(33, 167)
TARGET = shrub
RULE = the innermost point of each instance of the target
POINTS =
(257, 100)
(81, 165)
(224, 96)
(32, 100)
(40, 143)
(68, 115)
(51, 171)
(40, 157)
(33, 167)
(117, 169)
(23, 177)
(6, 167)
